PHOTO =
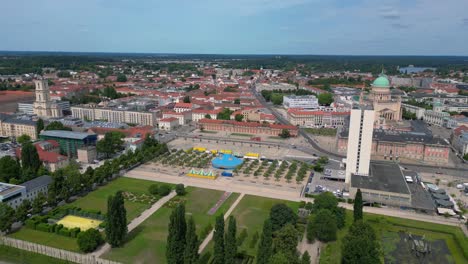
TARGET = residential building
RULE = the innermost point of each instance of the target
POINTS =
(14, 126)
(91, 113)
(49, 154)
(183, 117)
(183, 107)
(299, 117)
(418, 111)
(304, 101)
(359, 149)
(13, 195)
(436, 118)
(253, 128)
(28, 108)
(198, 114)
(169, 123)
(459, 139)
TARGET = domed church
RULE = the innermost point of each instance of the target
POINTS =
(386, 106)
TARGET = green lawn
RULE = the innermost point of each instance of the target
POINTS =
(45, 238)
(250, 214)
(241, 135)
(147, 244)
(18, 256)
(97, 200)
(456, 242)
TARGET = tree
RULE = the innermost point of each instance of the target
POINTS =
(21, 213)
(116, 228)
(9, 169)
(305, 258)
(121, 77)
(265, 248)
(38, 203)
(276, 98)
(89, 240)
(324, 225)
(153, 189)
(176, 238)
(180, 189)
(237, 101)
(225, 114)
(164, 190)
(63, 74)
(360, 245)
(111, 143)
(280, 215)
(191, 243)
(279, 258)
(358, 206)
(239, 117)
(328, 201)
(208, 116)
(7, 217)
(187, 99)
(286, 241)
(23, 139)
(218, 238)
(285, 133)
(39, 125)
(325, 98)
(230, 250)
(30, 158)
(56, 125)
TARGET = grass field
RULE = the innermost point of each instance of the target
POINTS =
(47, 239)
(250, 214)
(147, 244)
(386, 226)
(97, 200)
(241, 135)
(18, 256)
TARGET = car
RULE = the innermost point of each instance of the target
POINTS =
(438, 172)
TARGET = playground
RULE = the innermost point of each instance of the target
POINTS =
(71, 221)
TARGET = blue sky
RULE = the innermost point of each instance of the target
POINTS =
(356, 27)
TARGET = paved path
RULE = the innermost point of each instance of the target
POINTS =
(232, 186)
(313, 249)
(226, 215)
(137, 221)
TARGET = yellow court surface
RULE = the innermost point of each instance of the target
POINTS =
(71, 221)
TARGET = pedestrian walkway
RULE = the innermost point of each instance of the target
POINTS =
(137, 221)
(226, 215)
(312, 248)
(218, 204)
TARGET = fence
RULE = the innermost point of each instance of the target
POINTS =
(54, 252)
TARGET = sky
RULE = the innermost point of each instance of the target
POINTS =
(333, 27)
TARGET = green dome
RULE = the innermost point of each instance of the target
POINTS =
(382, 81)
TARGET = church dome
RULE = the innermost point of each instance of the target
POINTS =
(382, 81)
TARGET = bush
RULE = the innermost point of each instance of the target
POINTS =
(57, 228)
(180, 189)
(43, 227)
(153, 189)
(75, 231)
(64, 232)
(206, 231)
(89, 240)
(30, 223)
(164, 190)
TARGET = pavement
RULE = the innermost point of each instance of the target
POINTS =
(137, 221)
(226, 215)
(312, 248)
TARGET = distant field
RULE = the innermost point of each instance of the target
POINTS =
(47, 239)
(147, 244)
(9, 99)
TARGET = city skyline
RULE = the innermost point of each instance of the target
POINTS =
(240, 27)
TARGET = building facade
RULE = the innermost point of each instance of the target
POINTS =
(304, 101)
(385, 105)
(70, 141)
(10, 126)
(436, 118)
(92, 113)
(43, 106)
(359, 150)
(246, 127)
(299, 117)
(14, 195)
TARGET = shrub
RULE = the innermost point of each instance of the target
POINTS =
(57, 228)
(180, 189)
(30, 223)
(89, 240)
(206, 231)
(64, 232)
(153, 189)
(75, 231)
(43, 227)
(241, 238)
(164, 190)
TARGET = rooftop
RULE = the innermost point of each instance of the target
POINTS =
(383, 176)
(37, 182)
(65, 134)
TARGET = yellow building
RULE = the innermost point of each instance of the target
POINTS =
(14, 127)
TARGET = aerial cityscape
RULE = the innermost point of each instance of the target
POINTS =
(234, 146)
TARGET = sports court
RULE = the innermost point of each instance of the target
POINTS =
(71, 221)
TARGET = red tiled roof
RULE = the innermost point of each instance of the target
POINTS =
(183, 105)
(457, 131)
(168, 119)
(296, 111)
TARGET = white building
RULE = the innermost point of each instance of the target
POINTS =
(168, 123)
(436, 118)
(303, 101)
(14, 195)
(418, 111)
(359, 149)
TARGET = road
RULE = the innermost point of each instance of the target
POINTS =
(460, 169)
